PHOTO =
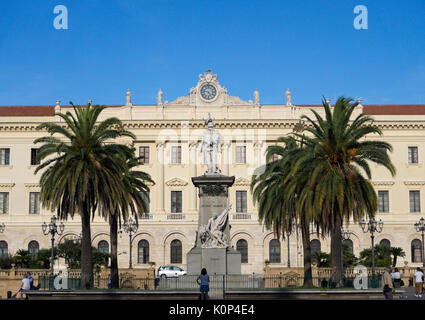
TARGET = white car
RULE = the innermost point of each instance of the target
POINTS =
(171, 271)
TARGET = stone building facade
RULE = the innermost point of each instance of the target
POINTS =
(169, 135)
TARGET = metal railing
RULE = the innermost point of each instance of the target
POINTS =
(218, 283)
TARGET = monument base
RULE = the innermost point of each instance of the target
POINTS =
(219, 261)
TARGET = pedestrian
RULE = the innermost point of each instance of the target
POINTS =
(396, 276)
(25, 285)
(109, 282)
(31, 280)
(204, 282)
(418, 281)
(387, 284)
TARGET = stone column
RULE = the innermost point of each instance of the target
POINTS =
(227, 147)
(193, 147)
(160, 147)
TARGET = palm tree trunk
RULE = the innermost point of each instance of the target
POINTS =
(113, 232)
(336, 249)
(305, 234)
(86, 252)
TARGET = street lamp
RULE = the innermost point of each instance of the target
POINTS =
(130, 227)
(345, 235)
(2, 227)
(420, 227)
(294, 225)
(372, 226)
(52, 229)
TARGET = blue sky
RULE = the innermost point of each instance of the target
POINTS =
(309, 46)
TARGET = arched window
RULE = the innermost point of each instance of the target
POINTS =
(143, 251)
(33, 248)
(315, 246)
(385, 242)
(416, 250)
(348, 243)
(103, 246)
(176, 251)
(274, 251)
(3, 249)
(242, 247)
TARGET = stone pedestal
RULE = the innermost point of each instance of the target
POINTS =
(213, 200)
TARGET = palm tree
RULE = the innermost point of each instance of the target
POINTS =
(276, 194)
(79, 170)
(336, 156)
(134, 200)
(397, 252)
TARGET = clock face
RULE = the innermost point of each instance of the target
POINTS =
(208, 92)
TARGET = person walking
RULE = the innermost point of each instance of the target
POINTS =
(204, 282)
(387, 284)
(396, 276)
(418, 281)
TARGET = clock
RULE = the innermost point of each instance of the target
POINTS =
(208, 92)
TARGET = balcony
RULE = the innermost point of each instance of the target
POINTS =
(242, 216)
(146, 216)
(176, 216)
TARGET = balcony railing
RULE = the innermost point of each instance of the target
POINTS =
(146, 216)
(176, 216)
(242, 216)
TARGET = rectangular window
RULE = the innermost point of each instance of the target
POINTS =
(34, 161)
(176, 154)
(240, 154)
(383, 201)
(413, 154)
(144, 155)
(414, 199)
(176, 201)
(4, 156)
(34, 202)
(241, 201)
(4, 202)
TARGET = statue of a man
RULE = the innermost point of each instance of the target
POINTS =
(288, 98)
(159, 97)
(256, 97)
(211, 145)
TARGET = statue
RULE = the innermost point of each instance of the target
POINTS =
(128, 98)
(256, 97)
(211, 145)
(212, 234)
(159, 97)
(288, 98)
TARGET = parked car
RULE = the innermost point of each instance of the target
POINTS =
(171, 271)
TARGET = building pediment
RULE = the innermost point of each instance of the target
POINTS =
(176, 182)
(242, 182)
(208, 92)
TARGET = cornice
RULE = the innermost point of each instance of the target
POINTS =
(7, 185)
(414, 183)
(219, 124)
(382, 183)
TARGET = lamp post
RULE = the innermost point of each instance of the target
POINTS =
(2, 227)
(130, 227)
(345, 235)
(52, 228)
(372, 226)
(294, 225)
(420, 227)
